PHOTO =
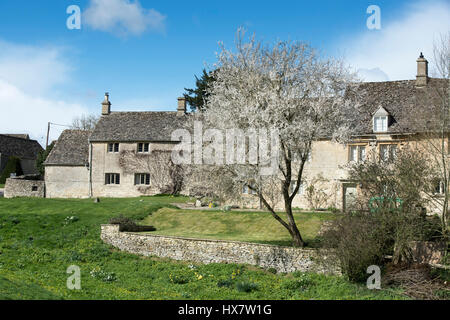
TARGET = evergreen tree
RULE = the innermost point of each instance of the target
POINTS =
(12, 166)
(196, 97)
(42, 156)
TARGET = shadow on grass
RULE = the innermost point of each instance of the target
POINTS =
(15, 290)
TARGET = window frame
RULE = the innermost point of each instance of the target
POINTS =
(359, 147)
(383, 128)
(246, 190)
(441, 188)
(145, 147)
(112, 178)
(389, 155)
(143, 178)
(113, 147)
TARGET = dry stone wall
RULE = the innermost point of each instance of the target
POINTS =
(283, 259)
(21, 187)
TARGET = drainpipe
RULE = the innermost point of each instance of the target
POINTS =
(90, 170)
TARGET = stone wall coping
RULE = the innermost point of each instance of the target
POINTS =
(209, 240)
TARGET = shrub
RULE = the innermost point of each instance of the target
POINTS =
(225, 283)
(12, 166)
(356, 244)
(126, 224)
(246, 286)
(272, 270)
(179, 278)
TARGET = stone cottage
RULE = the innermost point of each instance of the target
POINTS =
(22, 147)
(88, 164)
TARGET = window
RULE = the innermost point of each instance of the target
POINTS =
(34, 188)
(388, 152)
(380, 124)
(247, 190)
(439, 187)
(112, 178)
(143, 147)
(293, 185)
(357, 153)
(113, 147)
(142, 179)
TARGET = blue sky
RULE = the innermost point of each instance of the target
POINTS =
(146, 53)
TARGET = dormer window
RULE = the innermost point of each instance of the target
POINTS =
(380, 120)
(380, 124)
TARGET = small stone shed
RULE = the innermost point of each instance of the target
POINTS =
(25, 186)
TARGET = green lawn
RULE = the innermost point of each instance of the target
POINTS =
(38, 243)
(247, 226)
(2, 186)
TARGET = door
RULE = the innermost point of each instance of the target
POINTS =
(349, 201)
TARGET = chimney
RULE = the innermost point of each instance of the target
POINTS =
(422, 71)
(181, 110)
(106, 105)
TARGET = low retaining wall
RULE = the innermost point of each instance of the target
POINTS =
(22, 187)
(283, 259)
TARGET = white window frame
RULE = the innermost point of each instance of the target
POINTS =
(112, 178)
(113, 147)
(384, 123)
(145, 147)
(247, 190)
(141, 179)
(391, 151)
(441, 188)
(356, 153)
(293, 185)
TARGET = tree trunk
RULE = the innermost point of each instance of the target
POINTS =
(297, 240)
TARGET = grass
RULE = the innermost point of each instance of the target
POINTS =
(38, 242)
(2, 186)
(258, 227)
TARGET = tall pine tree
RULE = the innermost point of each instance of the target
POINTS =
(196, 97)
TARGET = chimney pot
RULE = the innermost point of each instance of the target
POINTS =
(181, 109)
(422, 71)
(106, 105)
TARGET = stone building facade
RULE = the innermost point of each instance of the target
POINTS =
(22, 147)
(88, 164)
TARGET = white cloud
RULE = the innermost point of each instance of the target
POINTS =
(28, 77)
(122, 17)
(393, 50)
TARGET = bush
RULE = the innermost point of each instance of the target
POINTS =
(12, 166)
(245, 286)
(179, 278)
(228, 283)
(356, 243)
(126, 224)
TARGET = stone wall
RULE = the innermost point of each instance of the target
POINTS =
(283, 259)
(23, 187)
(67, 182)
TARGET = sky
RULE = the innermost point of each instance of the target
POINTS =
(144, 53)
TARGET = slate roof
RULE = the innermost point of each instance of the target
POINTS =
(71, 149)
(412, 109)
(137, 126)
(19, 147)
(18, 135)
